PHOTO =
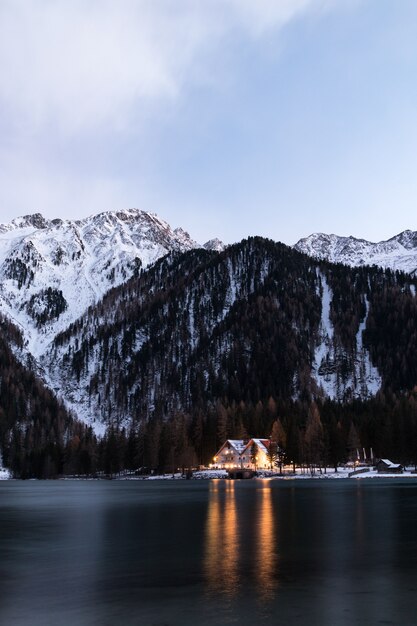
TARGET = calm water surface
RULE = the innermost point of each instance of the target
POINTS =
(208, 553)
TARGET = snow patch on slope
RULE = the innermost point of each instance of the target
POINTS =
(368, 376)
(4, 472)
(323, 366)
(363, 379)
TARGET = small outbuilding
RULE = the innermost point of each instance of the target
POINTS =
(384, 466)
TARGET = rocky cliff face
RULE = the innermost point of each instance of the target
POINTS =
(51, 271)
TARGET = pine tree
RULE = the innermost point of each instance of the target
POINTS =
(336, 448)
(254, 450)
(279, 436)
(353, 443)
(313, 438)
(271, 453)
(293, 442)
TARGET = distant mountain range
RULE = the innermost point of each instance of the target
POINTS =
(397, 253)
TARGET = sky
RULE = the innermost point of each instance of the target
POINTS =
(228, 118)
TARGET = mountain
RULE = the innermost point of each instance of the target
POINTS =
(165, 348)
(397, 253)
(256, 321)
(51, 271)
(39, 437)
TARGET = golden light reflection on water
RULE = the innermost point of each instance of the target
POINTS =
(224, 542)
(266, 571)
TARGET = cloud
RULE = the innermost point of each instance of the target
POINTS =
(77, 65)
(74, 73)
(266, 14)
(28, 185)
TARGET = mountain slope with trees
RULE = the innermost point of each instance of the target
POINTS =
(258, 320)
(38, 436)
(254, 340)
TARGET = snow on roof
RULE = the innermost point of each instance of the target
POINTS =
(262, 444)
(238, 444)
(241, 445)
(389, 463)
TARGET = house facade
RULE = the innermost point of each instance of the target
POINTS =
(238, 453)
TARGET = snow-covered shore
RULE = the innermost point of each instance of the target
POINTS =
(213, 474)
(330, 474)
(4, 474)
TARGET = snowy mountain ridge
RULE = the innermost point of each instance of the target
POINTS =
(183, 322)
(397, 253)
(51, 271)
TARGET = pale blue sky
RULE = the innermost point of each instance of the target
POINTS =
(226, 117)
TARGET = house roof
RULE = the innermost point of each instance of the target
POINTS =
(389, 463)
(263, 444)
(237, 444)
(240, 446)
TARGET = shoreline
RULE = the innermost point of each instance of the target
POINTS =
(341, 474)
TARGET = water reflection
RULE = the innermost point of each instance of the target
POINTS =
(321, 553)
(222, 541)
(231, 541)
(239, 543)
(266, 571)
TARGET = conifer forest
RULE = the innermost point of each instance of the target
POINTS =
(201, 346)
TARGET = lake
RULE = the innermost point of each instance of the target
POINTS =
(218, 552)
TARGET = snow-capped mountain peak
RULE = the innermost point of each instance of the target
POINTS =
(51, 271)
(215, 245)
(397, 253)
(34, 221)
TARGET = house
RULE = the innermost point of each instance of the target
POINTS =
(384, 466)
(229, 455)
(238, 453)
(262, 461)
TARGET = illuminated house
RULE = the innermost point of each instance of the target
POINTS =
(238, 453)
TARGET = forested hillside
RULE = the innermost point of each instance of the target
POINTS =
(258, 320)
(206, 345)
(38, 437)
